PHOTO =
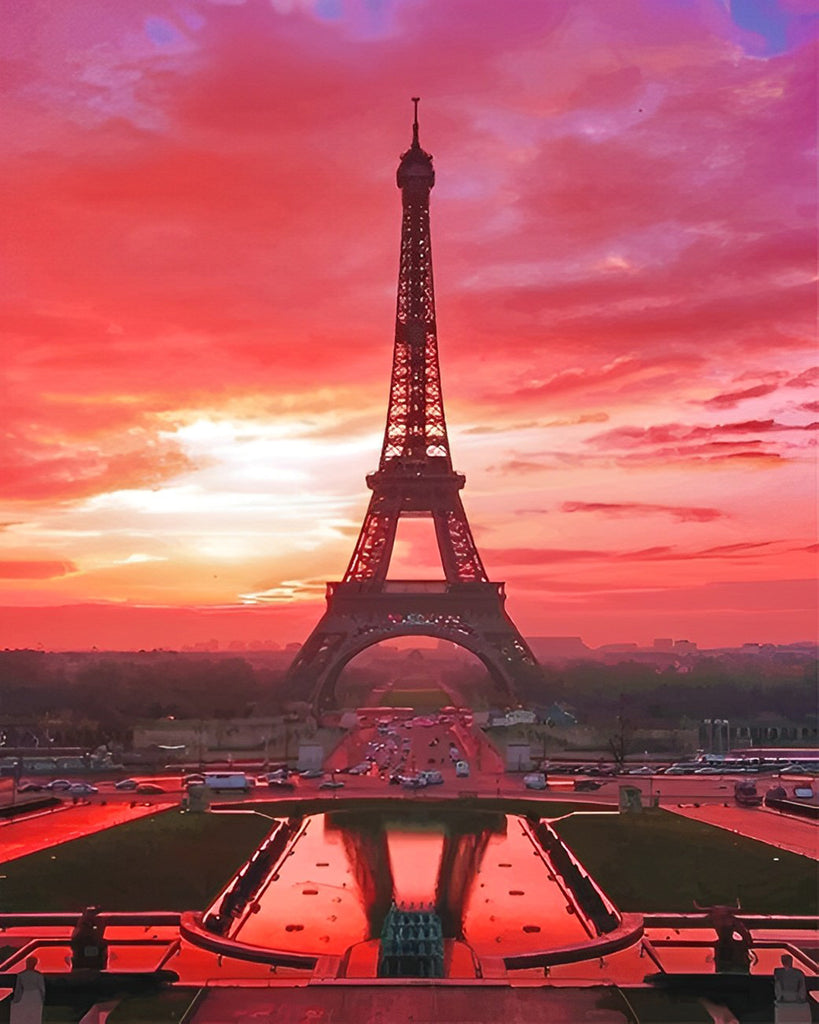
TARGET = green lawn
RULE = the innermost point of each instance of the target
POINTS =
(168, 861)
(162, 1008)
(660, 861)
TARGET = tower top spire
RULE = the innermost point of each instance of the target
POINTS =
(415, 170)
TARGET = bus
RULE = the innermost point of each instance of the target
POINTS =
(808, 757)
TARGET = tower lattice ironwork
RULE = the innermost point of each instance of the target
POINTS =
(415, 478)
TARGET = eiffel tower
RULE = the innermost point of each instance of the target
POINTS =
(414, 478)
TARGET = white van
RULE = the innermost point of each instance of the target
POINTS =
(228, 780)
(462, 769)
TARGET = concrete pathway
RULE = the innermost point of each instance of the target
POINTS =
(797, 835)
(411, 1004)
(21, 836)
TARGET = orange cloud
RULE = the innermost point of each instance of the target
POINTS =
(35, 570)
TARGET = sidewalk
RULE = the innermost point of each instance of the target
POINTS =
(797, 835)
(21, 836)
(418, 1004)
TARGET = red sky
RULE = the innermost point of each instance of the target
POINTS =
(200, 251)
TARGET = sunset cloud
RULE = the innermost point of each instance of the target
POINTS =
(200, 258)
(733, 398)
(683, 513)
(35, 570)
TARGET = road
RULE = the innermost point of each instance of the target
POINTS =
(428, 744)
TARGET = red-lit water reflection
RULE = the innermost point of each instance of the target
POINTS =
(482, 871)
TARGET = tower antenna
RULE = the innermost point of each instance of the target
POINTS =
(416, 100)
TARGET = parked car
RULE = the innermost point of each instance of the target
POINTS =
(413, 781)
(360, 769)
(281, 784)
(432, 778)
(586, 785)
(774, 794)
(81, 789)
(194, 779)
(149, 787)
(59, 784)
(536, 780)
(745, 793)
(30, 787)
(269, 777)
(312, 773)
(331, 784)
(128, 784)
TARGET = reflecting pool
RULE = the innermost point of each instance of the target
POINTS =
(483, 872)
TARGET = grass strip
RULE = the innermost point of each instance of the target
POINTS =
(659, 861)
(654, 1007)
(167, 861)
(161, 1007)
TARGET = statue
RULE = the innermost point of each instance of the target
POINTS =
(88, 946)
(734, 939)
(791, 1005)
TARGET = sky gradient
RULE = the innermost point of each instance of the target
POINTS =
(200, 256)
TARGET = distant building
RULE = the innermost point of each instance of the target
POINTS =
(663, 643)
(684, 646)
(550, 648)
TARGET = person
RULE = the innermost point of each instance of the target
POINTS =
(790, 993)
(29, 995)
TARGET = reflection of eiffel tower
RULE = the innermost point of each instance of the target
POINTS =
(414, 478)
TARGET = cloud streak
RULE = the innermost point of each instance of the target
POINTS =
(617, 510)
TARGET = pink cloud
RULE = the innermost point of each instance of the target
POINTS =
(662, 553)
(38, 473)
(682, 434)
(732, 398)
(808, 378)
(617, 510)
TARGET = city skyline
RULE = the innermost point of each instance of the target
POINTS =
(203, 247)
